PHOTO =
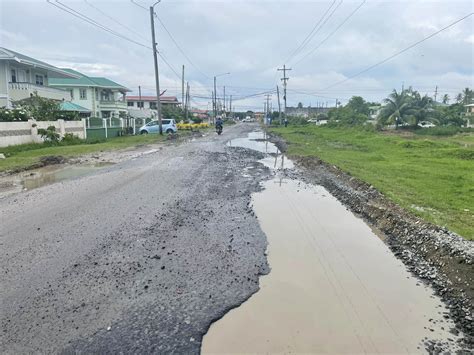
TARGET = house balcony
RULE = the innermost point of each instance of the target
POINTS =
(112, 105)
(20, 91)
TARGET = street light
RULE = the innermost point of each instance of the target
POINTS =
(215, 94)
(155, 59)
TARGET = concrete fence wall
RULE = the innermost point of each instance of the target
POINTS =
(14, 133)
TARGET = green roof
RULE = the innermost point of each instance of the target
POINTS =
(85, 80)
(69, 106)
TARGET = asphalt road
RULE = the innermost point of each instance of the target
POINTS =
(138, 257)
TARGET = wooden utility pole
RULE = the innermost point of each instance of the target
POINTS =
(182, 88)
(284, 79)
(155, 60)
(279, 105)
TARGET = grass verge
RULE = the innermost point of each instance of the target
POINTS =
(25, 155)
(433, 177)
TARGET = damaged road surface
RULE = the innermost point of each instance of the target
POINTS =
(139, 257)
(143, 256)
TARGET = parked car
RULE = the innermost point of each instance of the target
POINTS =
(169, 126)
(248, 119)
(426, 124)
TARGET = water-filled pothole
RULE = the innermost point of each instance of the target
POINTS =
(334, 286)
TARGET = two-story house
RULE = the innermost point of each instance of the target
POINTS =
(22, 77)
(149, 102)
(103, 97)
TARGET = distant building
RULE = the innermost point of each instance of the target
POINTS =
(149, 102)
(306, 112)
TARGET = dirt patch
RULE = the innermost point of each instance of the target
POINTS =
(437, 256)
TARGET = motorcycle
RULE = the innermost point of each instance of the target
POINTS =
(219, 129)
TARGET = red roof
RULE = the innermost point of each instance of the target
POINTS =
(151, 98)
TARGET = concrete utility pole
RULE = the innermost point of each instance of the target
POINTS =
(215, 95)
(230, 106)
(279, 106)
(182, 87)
(224, 98)
(155, 60)
(436, 92)
(188, 99)
(139, 95)
(267, 105)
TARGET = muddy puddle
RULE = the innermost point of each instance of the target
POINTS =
(33, 179)
(334, 286)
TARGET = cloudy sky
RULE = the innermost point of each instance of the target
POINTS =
(251, 39)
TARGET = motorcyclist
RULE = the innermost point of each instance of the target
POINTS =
(219, 122)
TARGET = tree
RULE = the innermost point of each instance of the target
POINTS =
(40, 108)
(467, 96)
(445, 99)
(459, 98)
(396, 108)
(300, 105)
(358, 105)
(420, 109)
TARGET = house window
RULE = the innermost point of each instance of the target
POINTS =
(153, 105)
(39, 79)
(83, 94)
(140, 104)
(13, 72)
(72, 93)
(130, 103)
(97, 94)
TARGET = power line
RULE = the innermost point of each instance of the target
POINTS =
(172, 38)
(102, 27)
(335, 30)
(399, 52)
(180, 49)
(307, 39)
(113, 19)
(93, 22)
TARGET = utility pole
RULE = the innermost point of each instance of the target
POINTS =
(224, 99)
(188, 99)
(436, 92)
(279, 106)
(139, 95)
(284, 79)
(155, 60)
(182, 87)
(267, 102)
(230, 107)
(215, 101)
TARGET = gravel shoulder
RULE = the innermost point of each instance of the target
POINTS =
(440, 258)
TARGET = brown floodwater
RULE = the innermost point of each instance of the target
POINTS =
(334, 286)
(47, 175)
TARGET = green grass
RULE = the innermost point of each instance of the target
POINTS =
(431, 176)
(23, 156)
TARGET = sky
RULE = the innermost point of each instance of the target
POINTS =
(250, 39)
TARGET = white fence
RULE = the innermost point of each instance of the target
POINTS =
(13, 133)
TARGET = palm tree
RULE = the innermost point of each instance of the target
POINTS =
(396, 108)
(467, 96)
(446, 99)
(459, 98)
(421, 109)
